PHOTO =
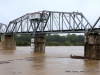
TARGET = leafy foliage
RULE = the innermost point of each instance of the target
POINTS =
(52, 40)
(23, 40)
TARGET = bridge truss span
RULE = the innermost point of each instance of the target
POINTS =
(49, 22)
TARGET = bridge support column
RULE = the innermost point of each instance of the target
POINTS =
(92, 46)
(7, 42)
(39, 44)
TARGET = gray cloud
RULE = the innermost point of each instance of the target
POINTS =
(12, 9)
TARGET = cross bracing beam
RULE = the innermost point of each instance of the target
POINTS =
(94, 29)
(49, 22)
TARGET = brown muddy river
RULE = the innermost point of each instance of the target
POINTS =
(55, 61)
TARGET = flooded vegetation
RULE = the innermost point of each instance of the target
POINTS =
(55, 61)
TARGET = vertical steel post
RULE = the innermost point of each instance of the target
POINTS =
(59, 21)
(21, 24)
(73, 22)
(62, 21)
(27, 24)
(69, 21)
(52, 21)
(81, 21)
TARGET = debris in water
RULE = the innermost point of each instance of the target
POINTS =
(4, 62)
(30, 58)
(77, 57)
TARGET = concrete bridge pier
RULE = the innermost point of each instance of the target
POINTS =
(39, 44)
(92, 46)
(7, 42)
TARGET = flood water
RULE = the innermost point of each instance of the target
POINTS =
(55, 61)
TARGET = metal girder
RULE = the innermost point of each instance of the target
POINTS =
(59, 22)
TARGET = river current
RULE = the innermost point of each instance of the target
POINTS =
(55, 61)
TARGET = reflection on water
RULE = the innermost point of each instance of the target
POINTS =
(55, 61)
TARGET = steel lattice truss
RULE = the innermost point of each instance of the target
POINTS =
(54, 22)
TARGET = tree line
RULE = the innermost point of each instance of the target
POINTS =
(22, 40)
(68, 40)
(53, 40)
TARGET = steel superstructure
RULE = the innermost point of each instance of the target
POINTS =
(53, 22)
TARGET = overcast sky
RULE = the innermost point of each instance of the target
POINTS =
(12, 9)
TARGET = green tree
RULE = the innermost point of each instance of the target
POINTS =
(67, 43)
(52, 40)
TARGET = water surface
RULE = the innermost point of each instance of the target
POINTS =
(55, 61)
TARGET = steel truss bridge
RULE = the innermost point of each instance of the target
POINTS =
(53, 22)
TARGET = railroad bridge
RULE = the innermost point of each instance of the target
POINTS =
(38, 24)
